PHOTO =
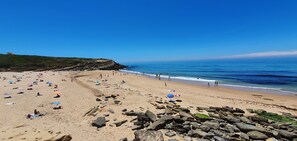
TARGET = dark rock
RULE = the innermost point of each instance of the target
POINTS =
(257, 135)
(259, 111)
(132, 113)
(247, 127)
(168, 111)
(212, 125)
(172, 140)
(237, 110)
(216, 138)
(120, 123)
(117, 102)
(151, 115)
(187, 138)
(161, 122)
(136, 127)
(258, 119)
(148, 135)
(99, 122)
(288, 135)
(170, 134)
(123, 139)
(160, 107)
(111, 111)
(64, 138)
(204, 128)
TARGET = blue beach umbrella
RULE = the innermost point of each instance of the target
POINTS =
(56, 103)
(170, 95)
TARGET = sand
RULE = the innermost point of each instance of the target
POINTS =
(79, 95)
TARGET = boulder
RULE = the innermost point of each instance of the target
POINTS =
(148, 135)
(248, 127)
(161, 122)
(120, 123)
(212, 125)
(99, 122)
(151, 116)
(256, 135)
(287, 134)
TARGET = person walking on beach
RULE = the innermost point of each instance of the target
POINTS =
(208, 84)
(165, 84)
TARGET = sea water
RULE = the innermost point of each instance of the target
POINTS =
(276, 75)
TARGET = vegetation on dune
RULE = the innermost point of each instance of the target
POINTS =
(10, 62)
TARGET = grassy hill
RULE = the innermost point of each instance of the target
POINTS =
(10, 62)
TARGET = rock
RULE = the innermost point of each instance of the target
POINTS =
(245, 119)
(99, 122)
(168, 111)
(247, 127)
(237, 110)
(216, 138)
(148, 135)
(170, 134)
(259, 111)
(258, 119)
(195, 139)
(250, 110)
(161, 122)
(204, 128)
(120, 123)
(187, 138)
(136, 127)
(132, 113)
(271, 139)
(117, 102)
(184, 114)
(241, 136)
(64, 138)
(111, 111)
(172, 140)
(123, 139)
(151, 115)
(197, 133)
(212, 125)
(287, 135)
(213, 115)
(160, 107)
(195, 125)
(257, 135)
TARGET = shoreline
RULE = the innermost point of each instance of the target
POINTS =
(203, 82)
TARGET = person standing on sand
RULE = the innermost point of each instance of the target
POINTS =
(208, 84)
(165, 84)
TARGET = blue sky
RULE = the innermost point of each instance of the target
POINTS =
(148, 30)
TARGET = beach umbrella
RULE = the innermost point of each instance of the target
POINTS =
(10, 81)
(170, 95)
(56, 103)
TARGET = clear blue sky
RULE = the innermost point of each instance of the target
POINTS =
(147, 30)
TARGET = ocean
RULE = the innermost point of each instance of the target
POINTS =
(274, 75)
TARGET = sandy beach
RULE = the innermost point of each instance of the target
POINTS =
(80, 90)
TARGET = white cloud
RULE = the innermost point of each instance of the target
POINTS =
(264, 54)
